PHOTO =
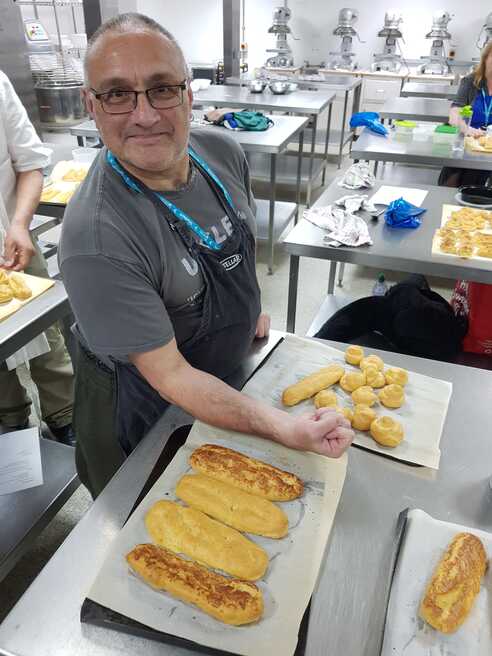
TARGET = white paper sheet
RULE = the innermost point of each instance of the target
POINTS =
(294, 560)
(422, 415)
(436, 240)
(425, 542)
(386, 193)
(20, 461)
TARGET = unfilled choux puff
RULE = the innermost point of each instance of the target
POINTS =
(19, 287)
(6, 294)
(352, 380)
(372, 361)
(312, 384)
(325, 399)
(363, 417)
(354, 354)
(4, 279)
(387, 431)
(396, 376)
(364, 395)
(374, 377)
(392, 396)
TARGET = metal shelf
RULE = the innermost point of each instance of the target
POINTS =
(259, 165)
(284, 213)
(50, 3)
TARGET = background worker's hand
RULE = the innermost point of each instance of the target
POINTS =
(19, 248)
(473, 132)
(263, 326)
(326, 432)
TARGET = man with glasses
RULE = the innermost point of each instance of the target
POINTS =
(158, 257)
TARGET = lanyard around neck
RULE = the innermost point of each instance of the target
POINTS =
(204, 236)
(487, 107)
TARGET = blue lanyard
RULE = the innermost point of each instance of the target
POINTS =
(487, 107)
(179, 214)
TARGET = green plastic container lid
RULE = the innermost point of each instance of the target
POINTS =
(405, 124)
(466, 111)
(446, 129)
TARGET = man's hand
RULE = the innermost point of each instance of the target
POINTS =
(263, 326)
(19, 248)
(326, 432)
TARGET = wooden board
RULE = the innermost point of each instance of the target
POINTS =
(37, 286)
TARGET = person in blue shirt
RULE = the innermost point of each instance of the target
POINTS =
(475, 90)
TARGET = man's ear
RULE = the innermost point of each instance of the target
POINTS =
(88, 101)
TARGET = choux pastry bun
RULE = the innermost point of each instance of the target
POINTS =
(387, 431)
(354, 354)
(352, 380)
(374, 377)
(363, 417)
(392, 396)
(371, 361)
(325, 399)
(364, 395)
(396, 376)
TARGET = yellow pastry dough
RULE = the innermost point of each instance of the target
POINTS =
(325, 399)
(364, 395)
(363, 417)
(352, 380)
(372, 361)
(4, 279)
(312, 384)
(6, 294)
(387, 431)
(392, 396)
(354, 354)
(374, 377)
(396, 376)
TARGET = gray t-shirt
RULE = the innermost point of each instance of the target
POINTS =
(125, 269)
(467, 92)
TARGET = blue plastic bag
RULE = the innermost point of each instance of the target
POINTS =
(401, 214)
(369, 120)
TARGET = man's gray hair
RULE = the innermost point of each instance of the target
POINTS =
(130, 22)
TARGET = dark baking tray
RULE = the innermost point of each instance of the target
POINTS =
(93, 613)
(477, 195)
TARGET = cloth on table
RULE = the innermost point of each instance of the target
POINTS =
(357, 176)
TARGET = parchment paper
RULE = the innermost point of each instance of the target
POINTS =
(436, 240)
(422, 415)
(294, 560)
(37, 286)
(406, 634)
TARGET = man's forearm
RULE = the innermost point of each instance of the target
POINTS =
(214, 402)
(28, 192)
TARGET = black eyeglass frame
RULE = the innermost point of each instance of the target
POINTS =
(99, 96)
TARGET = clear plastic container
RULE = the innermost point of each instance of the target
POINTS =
(422, 133)
(85, 155)
(443, 138)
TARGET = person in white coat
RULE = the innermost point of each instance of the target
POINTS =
(22, 158)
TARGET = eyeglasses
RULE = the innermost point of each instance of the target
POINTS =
(118, 101)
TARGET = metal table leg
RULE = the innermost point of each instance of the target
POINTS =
(327, 141)
(376, 163)
(342, 135)
(292, 297)
(331, 277)
(299, 171)
(311, 160)
(80, 141)
(341, 271)
(271, 218)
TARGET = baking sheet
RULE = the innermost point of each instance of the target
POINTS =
(422, 415)
(294, 560)
(436, 248)
(426, 540)
(37, 285)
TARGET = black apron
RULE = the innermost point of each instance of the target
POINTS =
(230, 309)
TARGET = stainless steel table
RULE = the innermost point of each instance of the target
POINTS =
(345, 84)
(416, 109)
(272, 142)
(392, 148)
(398, 250)
(32, 319)
(304, 103)
(348, 607)
(431, 90)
